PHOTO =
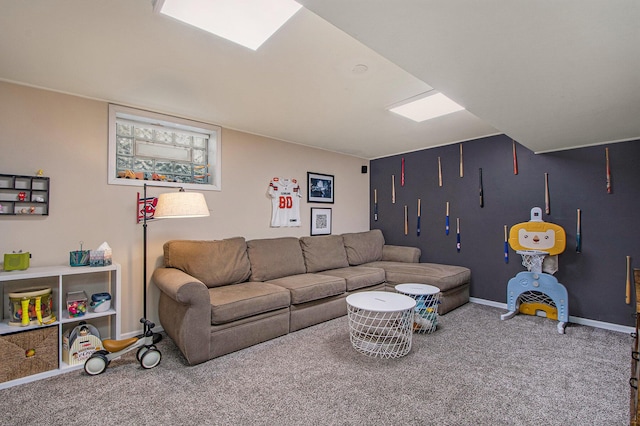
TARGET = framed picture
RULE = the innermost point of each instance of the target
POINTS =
(320, 221)
(319, 188)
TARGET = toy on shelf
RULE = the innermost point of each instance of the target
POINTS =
(76, 303)
(78, 344)
(31, 307)
(148, 355)
(536, 290)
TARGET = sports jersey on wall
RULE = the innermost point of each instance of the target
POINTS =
(285, 202)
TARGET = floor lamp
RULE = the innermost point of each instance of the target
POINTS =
(171, 205)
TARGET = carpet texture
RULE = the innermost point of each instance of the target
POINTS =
(473, 370)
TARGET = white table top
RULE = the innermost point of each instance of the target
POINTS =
(417, 289)
(381, 301)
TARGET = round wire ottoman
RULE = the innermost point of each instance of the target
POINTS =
(425, 319)
(380, 323)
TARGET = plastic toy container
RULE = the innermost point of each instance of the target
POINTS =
(79, 258)
(76, 303)
(100, 302)
(31, 307)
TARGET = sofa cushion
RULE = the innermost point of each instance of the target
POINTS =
(323, 252)
(363, 247)
(358, 277)
(445, 277)
(237, 301)
(275, 258)
(401, 253)
(215, 263)
(309, 287)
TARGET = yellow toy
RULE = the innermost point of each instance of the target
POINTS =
(535, 291)
(538, 235)
(31, 307)
(533, 308)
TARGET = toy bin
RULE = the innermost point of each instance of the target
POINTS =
(76, 303)
(28, 352)
(31, 307)
(79, 258)
(78, 344)
(100, 302)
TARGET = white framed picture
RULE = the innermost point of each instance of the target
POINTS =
(320, 221)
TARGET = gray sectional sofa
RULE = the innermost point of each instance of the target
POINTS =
(217, 297)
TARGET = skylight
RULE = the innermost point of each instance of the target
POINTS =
(427, 108)
(246, 22)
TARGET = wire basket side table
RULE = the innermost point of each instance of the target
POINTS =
(425, 319)
(380, 323)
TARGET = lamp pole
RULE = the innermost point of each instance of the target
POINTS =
(156, 336)
(144, 254)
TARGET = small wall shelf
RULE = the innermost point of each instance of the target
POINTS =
(24, 195)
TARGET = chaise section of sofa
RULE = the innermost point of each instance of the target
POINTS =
(401, 265)
(206, 305)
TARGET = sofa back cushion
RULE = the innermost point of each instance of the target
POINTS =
(215, 263)
(363, 247)
(273, 258)
(323, 252)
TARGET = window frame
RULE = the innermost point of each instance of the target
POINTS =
(172, 123)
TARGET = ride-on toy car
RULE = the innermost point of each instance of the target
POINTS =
(148, 355)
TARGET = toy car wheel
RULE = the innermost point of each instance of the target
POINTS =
(144, 349)
(105, 353)
(96, 364)
(150, 358)
(141, 352)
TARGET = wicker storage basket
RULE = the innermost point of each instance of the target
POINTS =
(28, 352)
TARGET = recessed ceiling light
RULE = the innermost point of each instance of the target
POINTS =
(427, 108)
(246, 22)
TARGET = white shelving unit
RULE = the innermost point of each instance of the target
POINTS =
(63, 279)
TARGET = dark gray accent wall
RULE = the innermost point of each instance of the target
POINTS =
(594, 278)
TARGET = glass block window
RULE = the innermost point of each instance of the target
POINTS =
(146, 146)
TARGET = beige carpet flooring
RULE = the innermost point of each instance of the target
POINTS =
(473, 370)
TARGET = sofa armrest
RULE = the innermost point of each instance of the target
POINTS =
(180, 286)
(185, 312)
(400, 254)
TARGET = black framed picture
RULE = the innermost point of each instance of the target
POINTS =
(320, 221)
(320, 188)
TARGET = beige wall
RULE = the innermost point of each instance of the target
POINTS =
(66, 136)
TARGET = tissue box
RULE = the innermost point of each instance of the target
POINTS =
(101, 256)
(96, 258)
(76, 303)
(107, 257)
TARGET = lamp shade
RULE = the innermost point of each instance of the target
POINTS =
(181, 204)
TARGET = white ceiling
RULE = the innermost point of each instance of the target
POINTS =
(552, 75)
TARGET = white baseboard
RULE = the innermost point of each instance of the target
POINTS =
(575, 320)
(156, 329)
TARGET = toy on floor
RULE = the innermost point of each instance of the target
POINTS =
(148, 355)
(536, 290)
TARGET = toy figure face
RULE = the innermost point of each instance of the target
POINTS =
(537, 240)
